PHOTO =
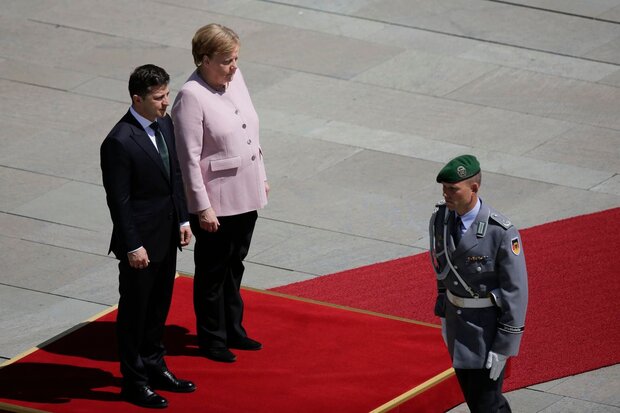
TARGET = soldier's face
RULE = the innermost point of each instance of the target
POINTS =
(461, 196)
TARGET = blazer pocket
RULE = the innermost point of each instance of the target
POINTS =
(223, 164)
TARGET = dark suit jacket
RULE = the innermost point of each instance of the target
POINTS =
(146, 207)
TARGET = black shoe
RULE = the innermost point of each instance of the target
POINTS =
(218, 354)
(167, 381)
(245, 343)
(143, 396)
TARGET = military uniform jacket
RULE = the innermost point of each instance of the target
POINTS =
(490, 259)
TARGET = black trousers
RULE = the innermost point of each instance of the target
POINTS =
(482, 394)
(145, 297)
(218, 257)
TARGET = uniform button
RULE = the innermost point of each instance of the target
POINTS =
(456, 283)
(456, 267)
(243, 126)
(458, 312)
(249, 141)
(478, 269)
(253, 157)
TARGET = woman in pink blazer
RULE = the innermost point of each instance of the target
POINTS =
(218, 147)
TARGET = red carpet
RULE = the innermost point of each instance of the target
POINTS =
(317, 358)
(573, 311)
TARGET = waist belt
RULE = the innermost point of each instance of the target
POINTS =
(463, 302)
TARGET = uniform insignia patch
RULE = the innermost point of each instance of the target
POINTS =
(516, 246)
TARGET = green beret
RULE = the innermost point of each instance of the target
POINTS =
(458, 169)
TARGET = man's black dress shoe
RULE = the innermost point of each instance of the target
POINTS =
(167, 381)
(245, 343)
(143, 396)
(218, 354)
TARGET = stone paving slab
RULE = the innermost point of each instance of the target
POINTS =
(43, 75)
(20, 187)
(497, 22)
(29, 318)
(585, 146)
(318, 251)
(370, 215)
(425, 73)
(41, 267)
(611, 186)
(541, 62)
(55, 109)
(503, 131)
(360, 104)
(74, 203)
(267, 276)
(600, 386)
(344, 58)
(437, 151)
(360, 101)
(98, 284)
(284, 14)
(592, 8)
(54, 234)
(588, 392)
(289, 156)
(547, 96)
(68, 154)
(577, 406)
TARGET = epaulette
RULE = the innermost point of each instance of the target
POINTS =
(500, 219)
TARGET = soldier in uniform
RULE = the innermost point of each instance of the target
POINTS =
(482, 285)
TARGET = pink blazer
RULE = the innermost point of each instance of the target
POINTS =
(218, 147)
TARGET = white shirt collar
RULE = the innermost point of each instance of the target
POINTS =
(144, 122)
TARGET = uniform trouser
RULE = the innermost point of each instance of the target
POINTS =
(145, 297)
(482, 394)
(218, 257)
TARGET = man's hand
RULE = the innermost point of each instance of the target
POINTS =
(444, 332)
(186, 235)
(267, 188)
(208, 220)
(496, 363)
(138, 259)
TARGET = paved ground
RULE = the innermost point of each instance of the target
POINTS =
(361, 102)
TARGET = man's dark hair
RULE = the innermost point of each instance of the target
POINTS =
(143, 78)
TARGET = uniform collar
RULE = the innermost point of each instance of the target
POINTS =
(469, 217)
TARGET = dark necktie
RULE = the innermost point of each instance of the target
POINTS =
(161, 147)
(456, 231)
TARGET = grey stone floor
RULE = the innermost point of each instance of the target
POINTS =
(361, 102)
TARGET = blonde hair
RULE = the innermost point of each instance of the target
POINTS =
(213, 39)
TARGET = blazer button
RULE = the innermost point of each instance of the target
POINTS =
(249, 141)
(236, 111)
(243, 126)
(253, 157)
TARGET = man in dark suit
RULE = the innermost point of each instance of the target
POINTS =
(144, 193)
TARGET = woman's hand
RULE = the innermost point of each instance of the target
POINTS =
(208, 220)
